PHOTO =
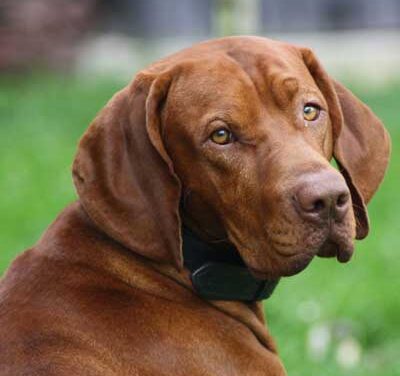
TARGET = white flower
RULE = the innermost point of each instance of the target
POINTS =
(348, 353)
(318, 341)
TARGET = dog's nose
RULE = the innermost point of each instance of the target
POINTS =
(322, 196)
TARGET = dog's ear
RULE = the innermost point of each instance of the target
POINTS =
(124, 177)
(361, 143)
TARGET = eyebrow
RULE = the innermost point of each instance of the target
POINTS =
(283, 89)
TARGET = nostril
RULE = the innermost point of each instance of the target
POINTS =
(342, 200)
(322, 196)
(318, 206)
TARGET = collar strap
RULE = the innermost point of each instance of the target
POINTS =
(219, 273)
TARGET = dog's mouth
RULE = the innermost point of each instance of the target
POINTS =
(337, 245)
(335, 240)
(294, 258)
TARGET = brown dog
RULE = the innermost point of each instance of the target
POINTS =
(231, 138)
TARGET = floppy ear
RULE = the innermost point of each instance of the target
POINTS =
(361, 143)
(124, 177)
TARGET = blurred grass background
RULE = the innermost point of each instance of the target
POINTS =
(328, 310)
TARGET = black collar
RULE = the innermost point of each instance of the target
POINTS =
(218, 273)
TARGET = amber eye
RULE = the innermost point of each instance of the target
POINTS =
(222, 136)
(311, 112)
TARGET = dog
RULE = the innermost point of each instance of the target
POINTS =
(200, 184)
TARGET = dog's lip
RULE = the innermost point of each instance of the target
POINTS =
(344, 255)
(293, 253)
(328, 249)
(331, 248)
(296, 252)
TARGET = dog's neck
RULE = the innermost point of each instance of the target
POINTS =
(219, 273)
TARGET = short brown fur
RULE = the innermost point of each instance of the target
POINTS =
(105, 292)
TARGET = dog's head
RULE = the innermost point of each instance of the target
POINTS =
(234, 137)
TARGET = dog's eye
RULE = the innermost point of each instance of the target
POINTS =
(222, 136)
(311, 112)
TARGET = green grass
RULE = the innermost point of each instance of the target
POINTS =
(42, 118)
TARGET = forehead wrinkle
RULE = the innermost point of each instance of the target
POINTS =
(253, 65)
(272, 73)
(283, 89)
